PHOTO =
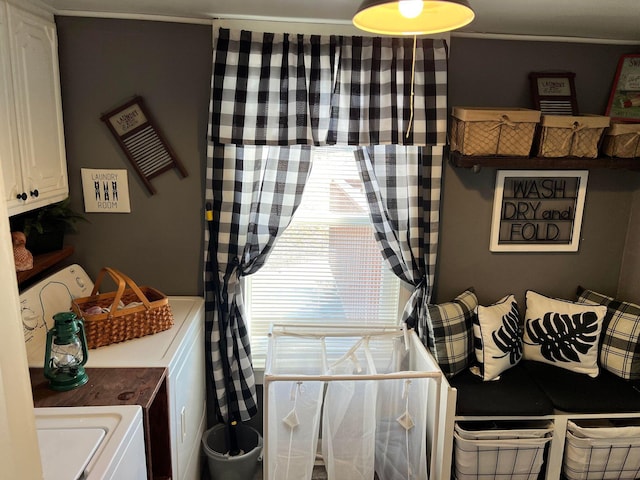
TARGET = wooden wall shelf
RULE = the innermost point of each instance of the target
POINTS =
(542, 163)
(43, 262)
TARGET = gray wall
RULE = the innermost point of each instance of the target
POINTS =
(494, 73)
(629, 287)
(104, 62)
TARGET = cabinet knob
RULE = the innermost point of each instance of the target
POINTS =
(35, 193)
(22, 196)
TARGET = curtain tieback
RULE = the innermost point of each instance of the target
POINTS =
(231, 280)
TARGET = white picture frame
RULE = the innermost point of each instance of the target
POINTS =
(105, 191)
(538, 210)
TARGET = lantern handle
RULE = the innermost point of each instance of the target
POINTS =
(47, 354)
(83, 341)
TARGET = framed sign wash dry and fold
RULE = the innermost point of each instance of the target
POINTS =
(538, 210)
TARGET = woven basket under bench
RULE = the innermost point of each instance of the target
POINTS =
(129, 312)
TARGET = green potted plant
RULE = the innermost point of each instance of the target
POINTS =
(45, 227)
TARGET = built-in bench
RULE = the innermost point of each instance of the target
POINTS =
(577, 393)
(533, 391)
(547, 394)
(514, 394)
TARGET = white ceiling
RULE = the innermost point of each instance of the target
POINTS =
(613, 20)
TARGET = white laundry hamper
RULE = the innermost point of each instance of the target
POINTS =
(359, 393)
(349, 418)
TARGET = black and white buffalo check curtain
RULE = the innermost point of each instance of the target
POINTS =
(274, 97)
(403, 191)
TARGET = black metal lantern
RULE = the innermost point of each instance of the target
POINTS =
(66, 353)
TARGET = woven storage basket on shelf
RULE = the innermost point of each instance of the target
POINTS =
(129, 312)
(493, 131)
(571, 136)
(622, 140)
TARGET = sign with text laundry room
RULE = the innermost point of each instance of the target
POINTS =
(105, 191)
(538, 211)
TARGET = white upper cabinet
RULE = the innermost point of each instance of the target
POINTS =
(32, 153)
(9, 156)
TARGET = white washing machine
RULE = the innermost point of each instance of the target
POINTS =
(180, 350)
(91, 443)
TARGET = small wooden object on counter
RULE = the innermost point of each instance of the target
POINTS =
(146, 387)
(44, 261)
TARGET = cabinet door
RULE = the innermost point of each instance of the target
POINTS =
(9, 154)
(189, 407)
(34, 60)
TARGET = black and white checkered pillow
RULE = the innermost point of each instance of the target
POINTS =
(620, 343)
(450, 339)
(497, 337)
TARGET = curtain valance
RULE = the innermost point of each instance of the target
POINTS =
(327, 90)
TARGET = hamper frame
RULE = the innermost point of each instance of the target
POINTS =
(422, 365)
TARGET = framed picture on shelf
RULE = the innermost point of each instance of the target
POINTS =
(554, 93)
(624, 101)
(538, 210)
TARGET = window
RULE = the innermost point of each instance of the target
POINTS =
(326, 268)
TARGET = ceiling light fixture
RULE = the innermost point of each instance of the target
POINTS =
(412, 17)
(410, 8)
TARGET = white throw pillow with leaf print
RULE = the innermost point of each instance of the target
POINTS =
(563, 333)
(497, 333)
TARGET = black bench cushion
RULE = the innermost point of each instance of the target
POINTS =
(514, 393)
(579, 393)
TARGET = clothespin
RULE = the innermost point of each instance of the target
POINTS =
(209, 212)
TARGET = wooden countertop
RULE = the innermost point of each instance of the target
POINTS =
(146, 387)
(106, 386)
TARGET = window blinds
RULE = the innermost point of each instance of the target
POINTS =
(326, 269)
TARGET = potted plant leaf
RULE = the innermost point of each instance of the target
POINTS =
(45, 227)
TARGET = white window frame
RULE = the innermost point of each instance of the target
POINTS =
(404, 290)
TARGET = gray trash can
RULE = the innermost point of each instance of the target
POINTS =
(222, 466)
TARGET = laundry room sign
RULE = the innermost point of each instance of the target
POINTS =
(538, 211)
(105, 191)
